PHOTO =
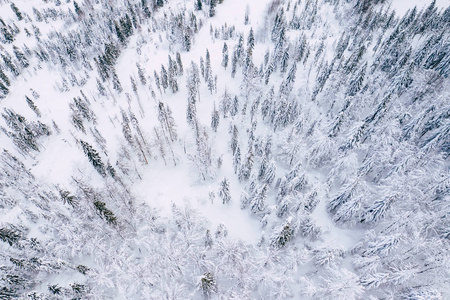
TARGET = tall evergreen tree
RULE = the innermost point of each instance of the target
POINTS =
(234, 60)
(116, 83)
(4, 78)
(141, 74)
(212, 8)
(224, 191)
(215, 119)
(250, 42)
(179, 63)
(16, 11)
(93, 157)
(164, 78)
(225, 56)
(198, 4)
(20, 57)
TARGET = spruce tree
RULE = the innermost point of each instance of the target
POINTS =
(32, 106)
(198, 4)
(225, 56)
(282, 235)
(164, 78)
(224, 191)
(157, 81)
(3, 90)
(250, 42)
(4, 77)
(215, 119)
(141, 74)
(233, 64)
(234, 139)
(212, 8)
(237, 159)
(119, 33)
(20, 57)
(105, 213)
(208, 70)
(16, 11)
(179, 63)
(116, 83)
(187, 42)
(258, 202)
(208, 239)
(93, 157)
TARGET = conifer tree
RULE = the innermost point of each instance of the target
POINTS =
(116, 83)
(278, 25)
(4, 77)
(284, 60)
(234, 106)
(208, 70)
(20, 57)
(159, 3)
(224, 191)
(247, 13)
(212, 8)
(16, 11)
(198, 4)
(225, 56)
(10, 65)
(215, 119)
(269, 71)
(3, 90)
(237, 159)
(93, 157)
(157, 81)
(208, 285)
(10, 235)
(357, 81)
(208, 239)
(187, 41)
(246, 167)
(258, 202)
(282, 235)
(234, 140)
(164, 78)
(120, 35)
(179, 63)
(250, 42)
(101, 89)
(202, 67)
(141, 74)
(33, 106)
(233, 64)
(240, 49)
(105, 213)
(192, 85)
(25, 134)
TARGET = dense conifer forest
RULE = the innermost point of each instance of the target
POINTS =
(224, 149)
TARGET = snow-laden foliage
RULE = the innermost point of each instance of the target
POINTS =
(220, 149)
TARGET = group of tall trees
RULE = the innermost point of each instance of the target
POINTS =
(343, 117)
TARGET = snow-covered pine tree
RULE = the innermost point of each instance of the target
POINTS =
(225, 55)
(212, 8)
(224, 191)
(215, 118)
(258, 201)
(282, 235)
(93, 157)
